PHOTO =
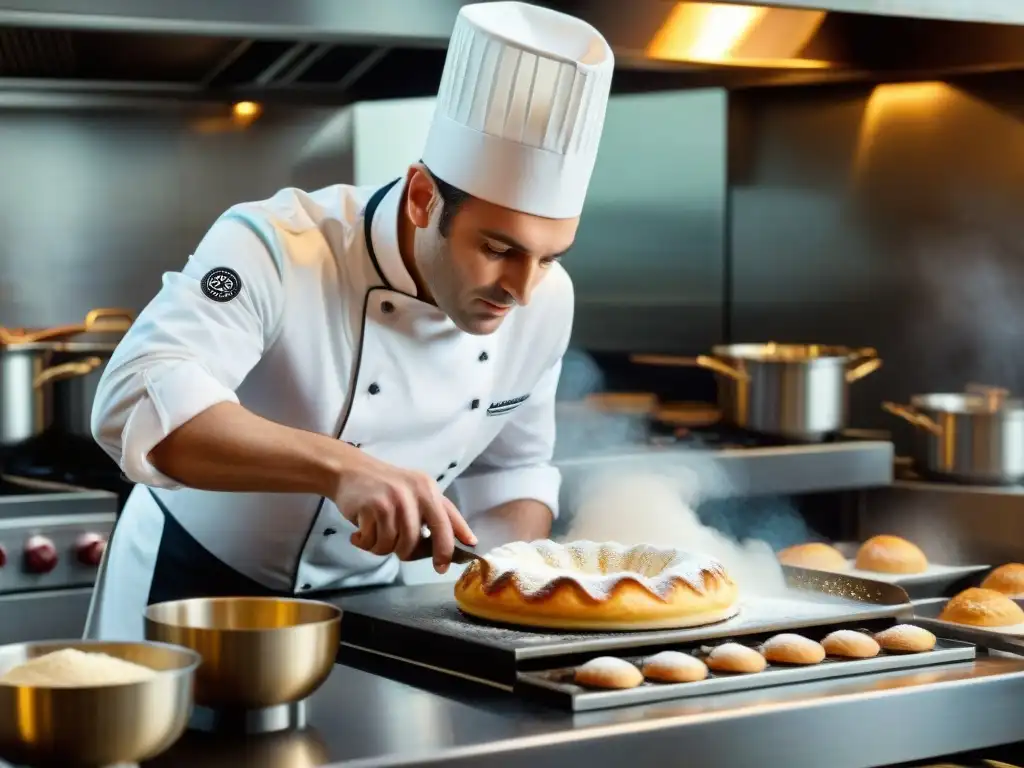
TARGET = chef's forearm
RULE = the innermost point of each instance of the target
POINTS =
(518, 520)
(228, 448)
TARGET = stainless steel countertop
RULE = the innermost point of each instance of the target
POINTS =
(364, 717)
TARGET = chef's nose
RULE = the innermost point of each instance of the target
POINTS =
(520, 279)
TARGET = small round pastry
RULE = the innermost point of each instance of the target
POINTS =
(890, 554)
(792, 649)
(590, 586)
(906, 638)
(849, 644)
(733, 657)
(815, 555)
(608, 672)
(1008, 579)
(674, 667)
(982, 608)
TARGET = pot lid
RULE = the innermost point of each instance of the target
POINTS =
(996, 401)
(790, 353)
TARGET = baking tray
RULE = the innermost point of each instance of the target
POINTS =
(555, 686)
(422, 625)
(1009, 639)
(931, 583)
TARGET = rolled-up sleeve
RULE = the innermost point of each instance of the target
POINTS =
(188, 351)
(517, 463)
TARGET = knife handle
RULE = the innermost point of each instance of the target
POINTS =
(424, 550)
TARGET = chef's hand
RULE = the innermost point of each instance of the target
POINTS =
(390, 506)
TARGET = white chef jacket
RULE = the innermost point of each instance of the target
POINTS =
(324, 335)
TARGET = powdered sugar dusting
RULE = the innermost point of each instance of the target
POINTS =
(607, 665)
(734, 653)
(787, 641)
(904, 635)
(674, 660)
(536, 567)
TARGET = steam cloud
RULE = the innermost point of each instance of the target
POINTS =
(974, 319)
(648, 505)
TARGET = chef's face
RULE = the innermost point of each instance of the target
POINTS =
(488, 260)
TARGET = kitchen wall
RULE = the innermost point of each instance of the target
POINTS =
(886, 216)
(95, 206)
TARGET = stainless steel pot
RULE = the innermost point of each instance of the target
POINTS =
(26, 397)
(975, 437)
(795, 391)
(52, 383)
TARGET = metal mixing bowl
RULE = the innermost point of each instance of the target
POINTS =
(257, 651)
(99, 725)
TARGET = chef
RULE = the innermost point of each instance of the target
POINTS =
(295, 403)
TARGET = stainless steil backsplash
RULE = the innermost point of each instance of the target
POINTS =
(95, 206)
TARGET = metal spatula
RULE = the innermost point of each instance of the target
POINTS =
(424, 550)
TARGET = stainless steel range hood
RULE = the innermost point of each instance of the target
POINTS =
(336, 51)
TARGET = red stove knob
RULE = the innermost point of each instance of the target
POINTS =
(90, 548)
(40, 555)
(3, 556)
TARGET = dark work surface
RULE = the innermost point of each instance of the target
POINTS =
(363, 716)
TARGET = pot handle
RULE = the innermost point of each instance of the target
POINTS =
(67, 371)
(109, 320)
(700, 361)
(914, 418)
(862, 362)
(863, 369)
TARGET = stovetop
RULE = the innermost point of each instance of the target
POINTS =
(26, 486)
(60, 460)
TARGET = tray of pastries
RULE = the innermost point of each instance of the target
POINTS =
(990, 615)
(892, 559)
(739, 664)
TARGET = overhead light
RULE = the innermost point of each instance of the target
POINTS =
(246, 110)
(727, 34)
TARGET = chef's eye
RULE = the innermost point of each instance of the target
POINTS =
(491, 250)
(547, 262)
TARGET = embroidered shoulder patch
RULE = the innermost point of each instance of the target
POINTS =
(506, 406)
(221, 284)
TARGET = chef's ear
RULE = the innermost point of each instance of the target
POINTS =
(422, 196)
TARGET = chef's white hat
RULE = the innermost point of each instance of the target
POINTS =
(521, 107)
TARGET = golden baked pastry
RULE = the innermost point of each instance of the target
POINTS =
(608, 672)
(906, 638)
(584, 585)
(850, 644)
(982, 608)
(1008, 579)
(674, 667)
(788, 648)
(816, 555)
(733, 657)
(891, 554)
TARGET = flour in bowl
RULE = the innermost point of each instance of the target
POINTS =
(71, 668)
